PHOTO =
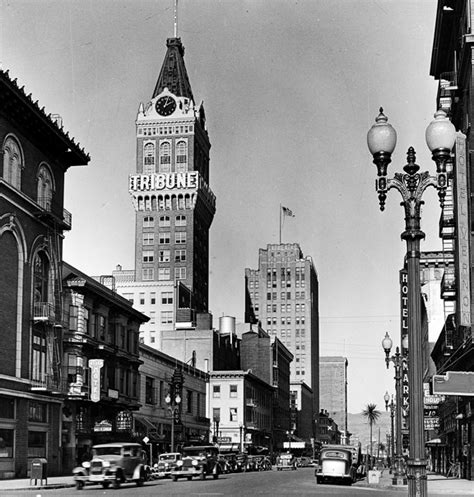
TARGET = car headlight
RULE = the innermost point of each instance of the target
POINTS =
(179, 463)
(167, 465)
(106, 464)
(86, 464)
(194, 462)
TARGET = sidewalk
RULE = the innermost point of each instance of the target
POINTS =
(438, 484)
(53, 482)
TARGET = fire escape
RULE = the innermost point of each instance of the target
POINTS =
(47, 306)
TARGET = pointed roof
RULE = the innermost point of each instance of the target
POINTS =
(173, 73)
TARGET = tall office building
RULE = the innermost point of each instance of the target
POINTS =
(173, 203)
(282, 295)
(333, 389)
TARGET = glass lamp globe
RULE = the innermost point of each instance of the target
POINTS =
(381, 137)
(440, 133)
(387, 342)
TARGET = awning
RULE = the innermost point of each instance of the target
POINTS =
(435, 441)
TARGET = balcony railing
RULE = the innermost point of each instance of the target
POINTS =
(43, 311)
(50, 208)
(46, 382)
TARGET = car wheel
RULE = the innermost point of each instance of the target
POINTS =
(116, 482)
(215, 476)
(202, 476)
(105, 484)
(189, 478)
(79, 484)
(175, 478)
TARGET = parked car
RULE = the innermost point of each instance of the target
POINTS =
(165, 464)
(336, 465)
(303, 462)
(200, 460)
(286, 461)
(112, 464)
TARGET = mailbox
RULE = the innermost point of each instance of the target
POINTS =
(39, 470)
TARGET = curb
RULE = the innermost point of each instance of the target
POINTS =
(52, 486)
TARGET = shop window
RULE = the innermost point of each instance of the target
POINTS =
(36, 443)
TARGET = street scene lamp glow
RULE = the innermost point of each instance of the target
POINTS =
(387, 343)
(386, 398)
(440, 133)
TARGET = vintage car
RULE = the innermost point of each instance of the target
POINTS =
(200, 460)
(336, 465)
(286, 461)
(112, 464)
(165, 464)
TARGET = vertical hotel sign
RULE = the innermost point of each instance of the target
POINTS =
(95, 366)
(462, 234)
(404, 333)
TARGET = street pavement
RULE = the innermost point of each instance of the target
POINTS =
(437, 485)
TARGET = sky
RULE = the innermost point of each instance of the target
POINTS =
(290, 89)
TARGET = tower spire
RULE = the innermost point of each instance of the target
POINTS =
(176, 18)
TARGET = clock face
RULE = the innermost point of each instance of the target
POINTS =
(165, 106)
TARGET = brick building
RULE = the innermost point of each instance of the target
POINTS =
(333, 389)
(36, 152)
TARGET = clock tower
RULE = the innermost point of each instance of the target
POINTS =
(173, 202)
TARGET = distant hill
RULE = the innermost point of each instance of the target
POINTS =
(358, 426)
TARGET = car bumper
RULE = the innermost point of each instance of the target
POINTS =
(186, 472)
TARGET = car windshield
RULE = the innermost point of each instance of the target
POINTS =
(106, 451)
(168, 457)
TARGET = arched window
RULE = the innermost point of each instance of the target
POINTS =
(12, 162)
(45, 187)
(41, 277)
(165, 157)
(149, 158)
(181, 156)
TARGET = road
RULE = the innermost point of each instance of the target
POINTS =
(271, 483)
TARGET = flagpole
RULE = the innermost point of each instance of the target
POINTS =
(280, 225)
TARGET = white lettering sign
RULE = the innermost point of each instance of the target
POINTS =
(168, 181)
(95, 366)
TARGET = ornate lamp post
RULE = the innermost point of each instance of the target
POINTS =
(386, 398)
(381, 140)
(173, 406)
(397, 359)
(289, 434)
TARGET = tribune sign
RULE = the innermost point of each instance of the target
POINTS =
(167, 181)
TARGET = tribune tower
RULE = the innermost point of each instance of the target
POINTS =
(173, 202)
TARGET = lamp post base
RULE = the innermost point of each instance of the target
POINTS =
(399, 480)
(417, 479)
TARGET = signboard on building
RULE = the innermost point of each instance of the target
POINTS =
(163, 181)
(95, 366)
(403, 334)
(454, 383)
(463, 234)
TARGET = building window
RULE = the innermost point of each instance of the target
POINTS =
(12, 162)
(36, 443)
(7, 408)
(148, 238)
(166, 297)
(165, 157)
(189, 401)
(233, 391)
(148, 274)
(152, 298)
(164, 238)
(181, 156)
(44, 187)
(179, 273)
(164, 273)
(149, 390)
(164, 221)
(164, 255)
(6, 447)
(216, 414)
(180, 255)
(73, 316)
(180, 237)
(166, 317)
(216, 391)
(148, 222)
(37, 411)
(180, 221)
(148, 255)
(233, 414)
(149, 152)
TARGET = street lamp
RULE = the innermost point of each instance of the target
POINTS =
(289, 433)
(392, 406)
(381, 140)
(173, 406)
(397, 359)
(241, 430)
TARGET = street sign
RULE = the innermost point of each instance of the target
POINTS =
(454, 383)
